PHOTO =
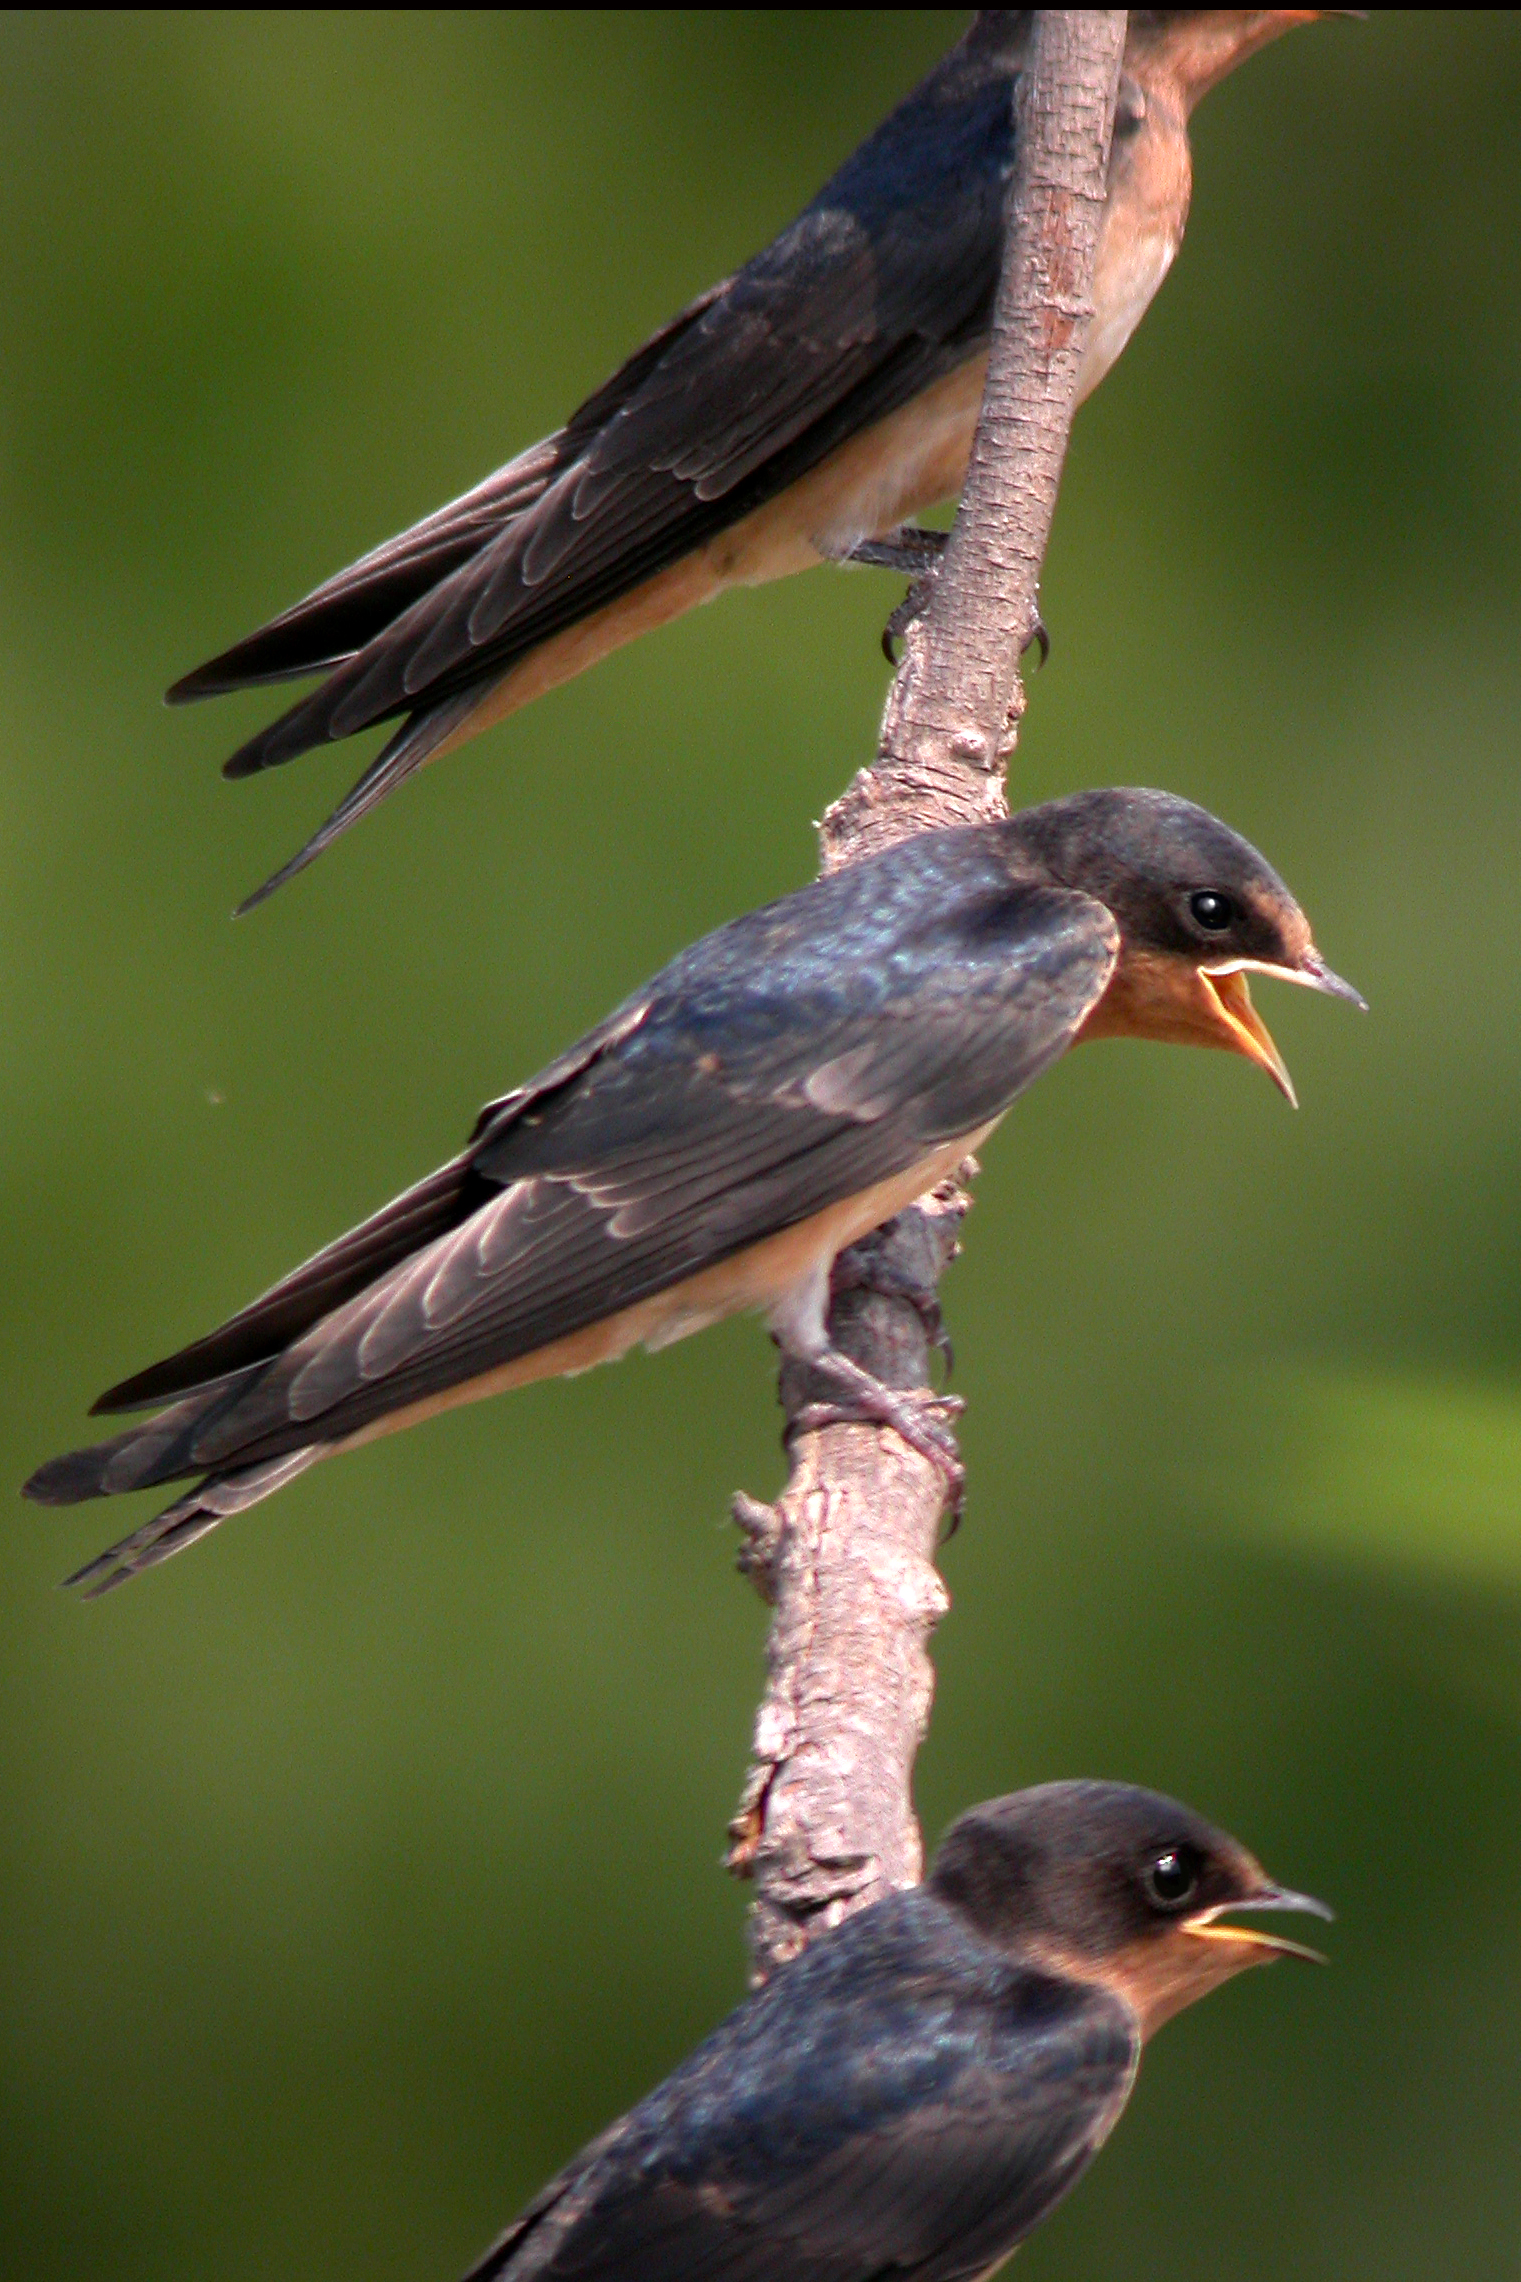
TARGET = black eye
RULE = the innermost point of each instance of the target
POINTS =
(1173, 1876)
(1211, 910)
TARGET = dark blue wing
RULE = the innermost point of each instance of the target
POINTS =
(792, 1061)
(787, 1063)
(882, 285)
(897, 2101)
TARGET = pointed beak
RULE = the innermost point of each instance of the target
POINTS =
(1313, 971)
(1249, 1034)
(1208, 1925)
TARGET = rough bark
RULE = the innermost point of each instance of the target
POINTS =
(846, 1555)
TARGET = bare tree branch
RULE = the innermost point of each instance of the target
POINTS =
(826, 1822)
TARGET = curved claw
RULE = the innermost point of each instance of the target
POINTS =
(915, 1414)
(917, 554)
(913, 606)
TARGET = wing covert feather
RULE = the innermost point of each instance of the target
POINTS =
(353, 1262)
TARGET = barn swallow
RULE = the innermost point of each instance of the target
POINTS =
(798, 411)
(779, 1089)
(919, 2087)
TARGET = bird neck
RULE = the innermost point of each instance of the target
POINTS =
(1183, 52)
(1155, 1977)
(1159, 996)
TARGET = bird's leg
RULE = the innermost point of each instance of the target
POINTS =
(916, 553)
(912, 550)
(872, 1265)
(826, 1312)
(912, 1412)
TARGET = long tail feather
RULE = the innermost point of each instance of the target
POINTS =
(160, 1449)
(414, 743)
(339, 617)
(187, 1519)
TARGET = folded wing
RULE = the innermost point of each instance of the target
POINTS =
(919, 2134)
(791, 1061)
(880, 287)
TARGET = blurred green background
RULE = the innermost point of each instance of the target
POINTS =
(357, 1866)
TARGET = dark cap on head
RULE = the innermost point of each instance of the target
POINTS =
(1115, 1884)
(1147, 855)
(1197, 908)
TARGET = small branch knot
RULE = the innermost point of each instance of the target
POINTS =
(760, 1528)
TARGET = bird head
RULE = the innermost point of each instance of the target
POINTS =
(1198, 910)
(1195, 48)
(1118, 1886)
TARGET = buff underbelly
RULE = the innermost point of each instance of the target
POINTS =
(896, 469)
(757, 1279)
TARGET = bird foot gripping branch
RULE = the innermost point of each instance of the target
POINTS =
(917, 555)
(916, 1415)
(885, 1302)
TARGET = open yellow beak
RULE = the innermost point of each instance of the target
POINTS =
(1209, 1925)
(1249, 1034)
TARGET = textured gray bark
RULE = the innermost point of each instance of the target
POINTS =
(846, 1555)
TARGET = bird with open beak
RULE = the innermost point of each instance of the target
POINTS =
(915, 2092)
(787, 1084)
(796, 413)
